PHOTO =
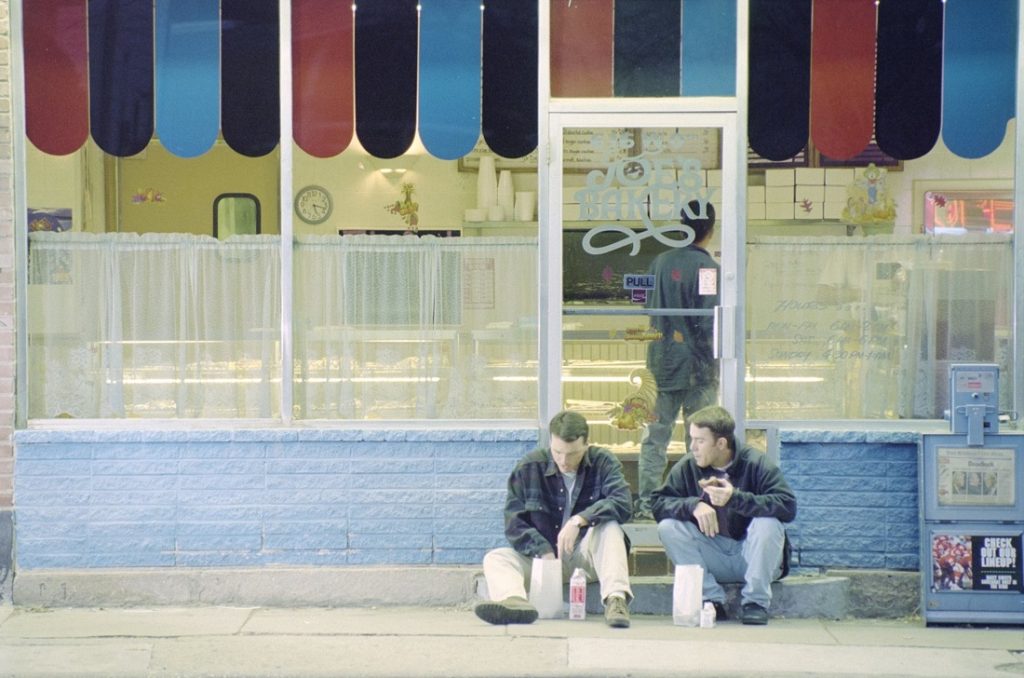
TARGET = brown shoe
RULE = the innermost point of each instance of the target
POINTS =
(509, 611)
(616, 612)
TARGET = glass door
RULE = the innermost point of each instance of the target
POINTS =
(643, 255)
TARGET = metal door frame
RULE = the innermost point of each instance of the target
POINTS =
(704, 112)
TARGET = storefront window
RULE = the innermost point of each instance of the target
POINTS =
(135, 309)
(415, 298)
(859, 315)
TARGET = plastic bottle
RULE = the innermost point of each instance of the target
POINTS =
(707, 615)
(578, 595)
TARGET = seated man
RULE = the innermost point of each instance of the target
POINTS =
(723, 509)
(567, 501)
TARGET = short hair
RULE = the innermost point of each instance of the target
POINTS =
(690, 216)
(569, 426)
(717, 420)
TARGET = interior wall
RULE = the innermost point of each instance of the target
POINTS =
(364, 195)
(158, 192)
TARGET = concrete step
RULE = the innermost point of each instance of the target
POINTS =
(797, 597)
(832, 595)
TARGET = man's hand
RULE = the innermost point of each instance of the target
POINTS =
(719, 490)
(707, 519)
(567, 538)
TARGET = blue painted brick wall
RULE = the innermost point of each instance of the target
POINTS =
(857, 503)
(346, 497)
(261, 497)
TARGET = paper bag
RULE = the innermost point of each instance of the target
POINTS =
(686, 595)
(546, 587)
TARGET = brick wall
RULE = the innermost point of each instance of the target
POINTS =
(260, 498)
(857, 503)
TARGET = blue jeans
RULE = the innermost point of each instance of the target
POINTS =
(756, 560)
(654, 447)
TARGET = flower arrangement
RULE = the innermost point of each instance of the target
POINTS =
(406, 208)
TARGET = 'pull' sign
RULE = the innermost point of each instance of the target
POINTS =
(633, 281)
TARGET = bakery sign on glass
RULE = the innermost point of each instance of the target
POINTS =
(652, 187)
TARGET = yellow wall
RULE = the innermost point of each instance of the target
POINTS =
(158, 192)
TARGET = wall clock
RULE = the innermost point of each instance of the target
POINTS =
(313, 204)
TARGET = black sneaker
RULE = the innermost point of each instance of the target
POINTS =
(720, 613)
(508, 611)
(754, 614)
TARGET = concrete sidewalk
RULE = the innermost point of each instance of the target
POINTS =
(252, 642)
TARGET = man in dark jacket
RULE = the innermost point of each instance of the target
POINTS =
(723, 508)
(566, 501)
(682, 360)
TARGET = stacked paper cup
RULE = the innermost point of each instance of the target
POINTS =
(525, 202)
(506, 193)
(486, 184)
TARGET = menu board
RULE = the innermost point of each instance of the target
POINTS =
(586, 149)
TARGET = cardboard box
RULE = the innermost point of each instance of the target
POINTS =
(810, 176)
(836, 194)
(779, 177)
(778, 210)
(778, 194)
(812, 193)
(839, 176)
(755, 194)
(714, 178)
(811, 211)
(755, 211)
(834, 210)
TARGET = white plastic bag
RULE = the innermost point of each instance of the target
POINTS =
(686, 595)
(546, 587)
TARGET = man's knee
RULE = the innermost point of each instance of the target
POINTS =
(670, 529)
(609, 528)
(766, 528)
(498, 557)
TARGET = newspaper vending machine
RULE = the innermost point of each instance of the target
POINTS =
(972, 509)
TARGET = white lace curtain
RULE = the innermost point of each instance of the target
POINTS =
(868, 327)
(126, 325)
(406, 327)
(154, 325)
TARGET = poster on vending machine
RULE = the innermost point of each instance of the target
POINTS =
(976, 562)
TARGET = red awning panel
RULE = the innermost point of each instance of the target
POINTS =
(842, 76)
(581, 49)
(322, 87)
(56, 75)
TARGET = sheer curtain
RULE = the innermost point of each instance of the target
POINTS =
(406, 327)
(868, 327)
(153, 325)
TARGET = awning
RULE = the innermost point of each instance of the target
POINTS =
(841, 73)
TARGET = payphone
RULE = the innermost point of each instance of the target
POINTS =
(972, 508)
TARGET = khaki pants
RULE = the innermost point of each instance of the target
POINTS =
(601, 553)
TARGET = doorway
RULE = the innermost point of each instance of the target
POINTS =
(620, 185)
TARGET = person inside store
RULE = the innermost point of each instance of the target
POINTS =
(724, 508)
(681, 360)
(566, 501)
